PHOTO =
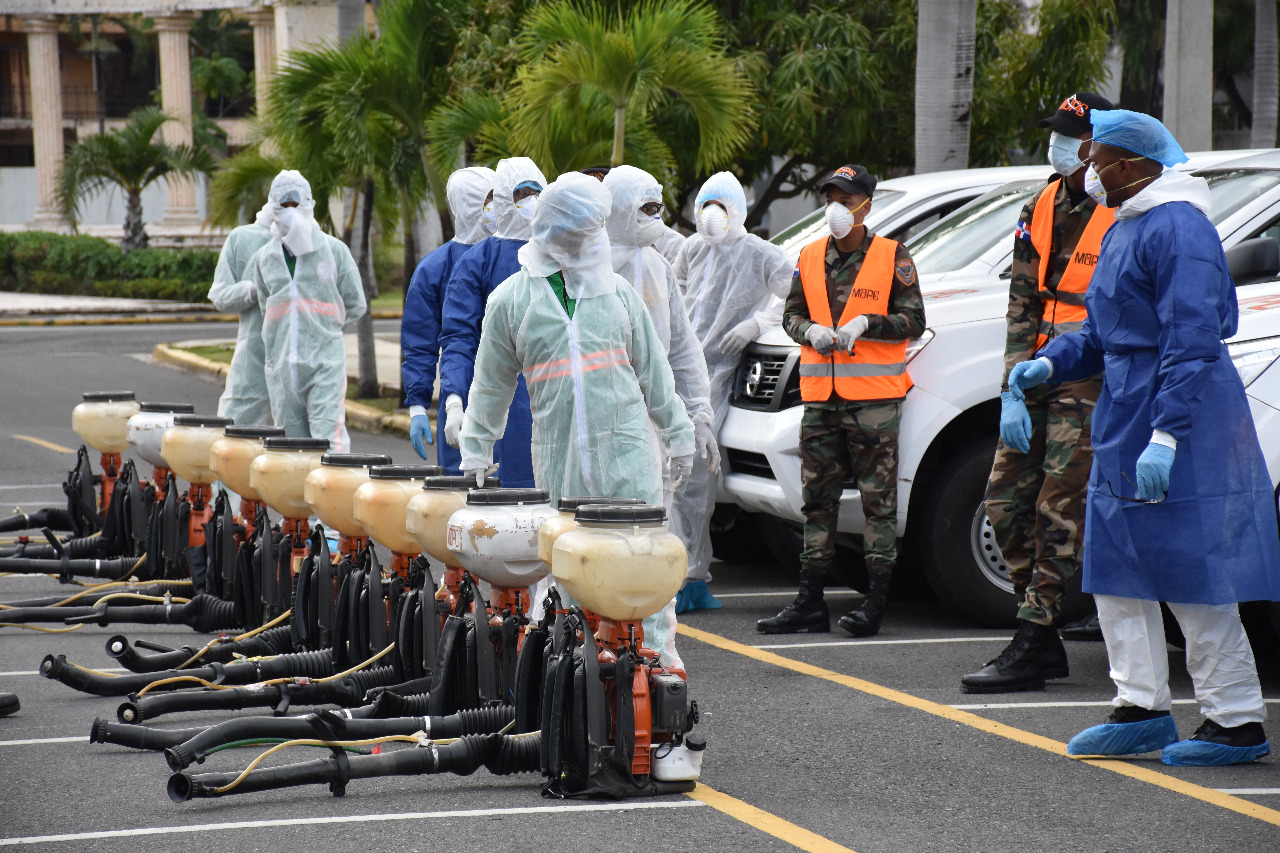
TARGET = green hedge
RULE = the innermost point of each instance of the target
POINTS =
(41, 262)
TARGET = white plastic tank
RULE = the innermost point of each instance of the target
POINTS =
(185, 446)
(331, 489)
(495, 536)
(102, 418)
(563, 521)
(381, 503)
(620, 562)
(427, 513)
(145, 429)
(279, 475)
(231, 456)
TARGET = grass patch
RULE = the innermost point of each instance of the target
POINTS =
(387, 405)
(387, 299)
(220, 353)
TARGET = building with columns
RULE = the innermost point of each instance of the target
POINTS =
(43, 93)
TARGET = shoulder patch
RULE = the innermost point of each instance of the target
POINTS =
(906, 270)
(1023, 231)
(795, 273)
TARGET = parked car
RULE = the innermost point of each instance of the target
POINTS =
(950, 418)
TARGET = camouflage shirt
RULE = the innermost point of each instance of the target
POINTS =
(1025, 306)
(905, 319)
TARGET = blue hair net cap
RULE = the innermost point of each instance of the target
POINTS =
(1139, 133)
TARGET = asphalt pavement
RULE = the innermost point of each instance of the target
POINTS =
(816, 742)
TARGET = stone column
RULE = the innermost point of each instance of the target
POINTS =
(1188, 73)
(46, 119)
(301, 24)
(264, 52)
(175, 99)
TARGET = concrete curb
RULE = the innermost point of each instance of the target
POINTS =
(145, 319)
(359, 416)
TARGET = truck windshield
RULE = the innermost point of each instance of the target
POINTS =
(967, 234)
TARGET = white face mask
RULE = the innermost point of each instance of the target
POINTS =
(527, 206)
(486, 217)
(288, 220)
(1064, 154)
(840, 218)
(1093, 186)
(649, 228)
(713, 223)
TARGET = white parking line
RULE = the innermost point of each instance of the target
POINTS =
(921, 641)
(367, 818)
(34, 486)
(1248, 792)
(783, 593)
(32, 741)
(990, 706)
(37, 672)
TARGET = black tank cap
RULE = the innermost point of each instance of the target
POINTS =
(571, 504)
(404, 472)
(282, 442)
(354, 460)
(695, 743)
(507, 497)
(253, 431)
(459, 483)
(621, 515)
(177, 408)
(201, 421)
(106, 396)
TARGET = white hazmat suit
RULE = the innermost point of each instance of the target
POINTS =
(245, 398)
(304, 314)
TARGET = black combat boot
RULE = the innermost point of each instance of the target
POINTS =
(1035, 654)
(807, 614)
(865, 621)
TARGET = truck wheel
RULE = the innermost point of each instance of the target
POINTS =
(961, 560)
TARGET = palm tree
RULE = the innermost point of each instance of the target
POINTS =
(132, 159)
(660, 50)
(1266, 81)
(944, 83)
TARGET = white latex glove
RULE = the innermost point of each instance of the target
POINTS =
(681, 468)
(851, 331)
(246, 291)
(706, 447)
(481, 473)
(821, 338)
(452, 419)
(737, 338)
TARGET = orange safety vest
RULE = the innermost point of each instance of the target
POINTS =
(877, 370)
(1063, 310)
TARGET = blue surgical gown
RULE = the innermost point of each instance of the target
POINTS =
(420, 339)
(1160, 304)
(476, 274)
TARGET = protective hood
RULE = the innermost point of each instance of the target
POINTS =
(630, 188)
(292, 226)
(265, 217)
(465, 192)
(511, 173)
(1172, 185)
(725, 188)
(569, 236)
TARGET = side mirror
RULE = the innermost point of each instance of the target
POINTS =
(1253, 260)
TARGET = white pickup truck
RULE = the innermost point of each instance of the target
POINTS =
(950, 418)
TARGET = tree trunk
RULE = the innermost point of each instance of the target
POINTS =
(1266, 79)
(408, 219)
(366, 360)
(619, 133)
(771, 192)
(944, 83)
(135, 236)
(1188, 73)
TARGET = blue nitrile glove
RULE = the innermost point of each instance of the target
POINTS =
(1015, 423)
(1153, 471)
(1027, 374)
(419, 429)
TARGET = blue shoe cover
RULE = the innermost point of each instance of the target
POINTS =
(1125, 738)
(1202, 753)
(695, 596)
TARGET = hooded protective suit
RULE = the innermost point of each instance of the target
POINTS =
(304, 314)
(424, 302)
(245, 398)
(729, 279)
(669, 242)
(595, 380)
(475, 276)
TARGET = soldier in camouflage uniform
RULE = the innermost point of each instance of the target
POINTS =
(1036, 495)
(853, 379)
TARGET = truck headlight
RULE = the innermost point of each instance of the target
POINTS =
(914, 347)
(1251, 358)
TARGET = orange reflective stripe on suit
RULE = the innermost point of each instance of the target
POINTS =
(1064, 309)
(877, 370)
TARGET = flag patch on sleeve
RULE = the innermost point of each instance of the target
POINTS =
(1023, 231)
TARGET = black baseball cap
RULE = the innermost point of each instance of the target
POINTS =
(597, 172)
(852, 179)
(1072, 117)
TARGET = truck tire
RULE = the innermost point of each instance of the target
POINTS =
(958, 551)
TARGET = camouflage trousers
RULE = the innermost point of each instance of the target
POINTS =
(858, 442)
(1036, 500)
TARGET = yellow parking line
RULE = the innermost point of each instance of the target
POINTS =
(49, 444)
(796, 836)
(1124, 768)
